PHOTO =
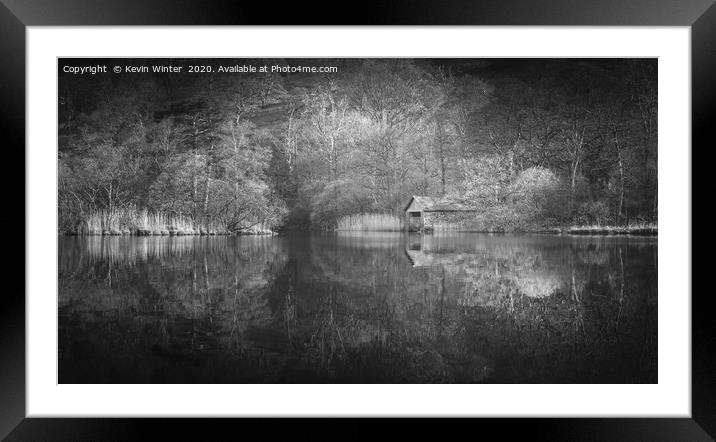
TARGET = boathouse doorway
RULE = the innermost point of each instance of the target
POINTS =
(415, 221)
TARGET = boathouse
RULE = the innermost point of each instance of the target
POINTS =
(425, 213)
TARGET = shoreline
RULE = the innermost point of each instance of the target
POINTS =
(571, 230)
(169, 233)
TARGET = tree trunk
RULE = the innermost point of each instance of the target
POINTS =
(621, 177)
(333, 158)
(442, 169)
(237, 175)
(194, 186)
(573, 185)
(208, 183)
(207, 192)
(109, 195)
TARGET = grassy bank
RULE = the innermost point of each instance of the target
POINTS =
(370, 222)
(631, 229)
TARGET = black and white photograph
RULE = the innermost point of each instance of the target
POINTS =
(357, 220)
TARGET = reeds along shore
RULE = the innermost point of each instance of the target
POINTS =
(370, 222)
(146, 223)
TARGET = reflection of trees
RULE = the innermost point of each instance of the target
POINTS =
(184, 276)
(523, 305)
(491, 272)
(354, 308)
(326, 343)
(173, 297)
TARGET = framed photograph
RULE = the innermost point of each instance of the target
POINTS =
(464, 220)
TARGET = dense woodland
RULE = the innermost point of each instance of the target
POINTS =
(534, 143)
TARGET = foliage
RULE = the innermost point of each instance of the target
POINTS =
(537, 194)
(486, 180)
(549, 143)
(593, 212)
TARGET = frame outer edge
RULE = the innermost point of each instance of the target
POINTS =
(12, 128)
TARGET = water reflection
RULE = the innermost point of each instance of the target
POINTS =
(358, 307)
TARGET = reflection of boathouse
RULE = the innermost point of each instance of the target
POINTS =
(441, 250)
(487, 267)
(424, 213)
(436, 250)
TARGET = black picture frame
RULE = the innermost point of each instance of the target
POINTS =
(16, 15)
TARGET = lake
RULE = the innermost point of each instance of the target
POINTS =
(358, 308)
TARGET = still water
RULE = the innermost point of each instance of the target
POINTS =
(347, 308)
